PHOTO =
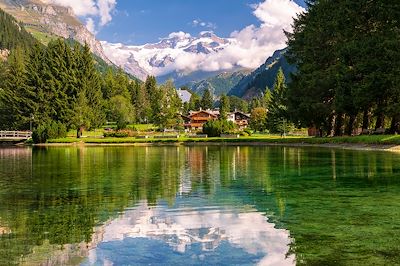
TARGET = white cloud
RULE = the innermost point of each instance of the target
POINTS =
(250, 46)
(90, 9)
(105, 8)
(179, 34)
(204, 24)
(90, 25)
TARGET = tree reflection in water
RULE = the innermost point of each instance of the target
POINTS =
(71, 205)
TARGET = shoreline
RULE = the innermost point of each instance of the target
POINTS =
(345, 146)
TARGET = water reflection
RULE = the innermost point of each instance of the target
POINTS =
(205, 205)
(183, 228)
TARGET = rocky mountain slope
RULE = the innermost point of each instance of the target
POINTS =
(50, 20)
(255, 83)
(164, 59)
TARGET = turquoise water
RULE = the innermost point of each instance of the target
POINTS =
(204, 205)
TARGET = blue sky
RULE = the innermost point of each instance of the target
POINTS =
(143, 21)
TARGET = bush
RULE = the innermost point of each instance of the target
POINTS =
(214, 128)
(52, 130)
(119, 134)
(247, 132)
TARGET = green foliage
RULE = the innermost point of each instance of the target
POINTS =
(214, 128)
(207, 101)
(194, 103)
(237, 103)
(277, 118)
(120, 134)
(248, 131)
(121, 111)
(258, 119)
(52, 130)
(166, 107)
(225, 107)
(13, 34)
(348, 65)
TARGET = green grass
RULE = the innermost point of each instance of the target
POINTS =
(95, 133)
(370, 140)
(42, 37)
(144, 127)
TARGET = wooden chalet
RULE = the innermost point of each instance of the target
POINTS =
(197, 119)
(241, 119)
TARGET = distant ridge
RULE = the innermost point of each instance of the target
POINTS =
(255, 83)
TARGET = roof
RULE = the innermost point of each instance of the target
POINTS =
(211, 112)
(184, 95)
(239, 112)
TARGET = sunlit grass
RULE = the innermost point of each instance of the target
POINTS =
(96, 137)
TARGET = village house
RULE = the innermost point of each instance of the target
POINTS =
(241, 119)
(196, 119)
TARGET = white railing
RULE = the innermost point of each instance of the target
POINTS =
(15, 134)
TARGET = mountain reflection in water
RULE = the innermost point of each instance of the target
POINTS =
(201, 205)
(183, 228)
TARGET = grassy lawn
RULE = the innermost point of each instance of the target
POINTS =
(371, 140)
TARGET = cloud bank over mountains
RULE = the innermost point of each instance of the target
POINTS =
(247, 47)
(97, 13)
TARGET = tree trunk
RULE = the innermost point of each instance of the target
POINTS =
(350, 126)
(339, 125)
(366, 119)
(331, 126)
(395, 124)
(380, 121)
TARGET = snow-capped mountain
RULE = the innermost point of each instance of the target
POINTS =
(173, 54)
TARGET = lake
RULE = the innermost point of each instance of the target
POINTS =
(198, 205)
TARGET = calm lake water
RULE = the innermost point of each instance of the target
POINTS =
(198, 206)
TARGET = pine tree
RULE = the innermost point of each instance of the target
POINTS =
(89, 85)
(224, 107)
(267, 98)
(17, 97)
(36, 83)
(207, 101)
(170, 105)
(277, 119)
(194, 103)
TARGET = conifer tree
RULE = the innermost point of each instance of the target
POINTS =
(224, 107)
(207, 101)
(17, 98)
(277, 118)
(89, 85)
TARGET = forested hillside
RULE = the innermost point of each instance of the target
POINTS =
(255, 83)
(12, 34)
(63, 86)
(219, 84)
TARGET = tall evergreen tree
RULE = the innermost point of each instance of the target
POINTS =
(224, 107)
(207, 101)
(277, 118)
(17, 98)
(90, 94)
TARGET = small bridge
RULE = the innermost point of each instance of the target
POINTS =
(15, 136)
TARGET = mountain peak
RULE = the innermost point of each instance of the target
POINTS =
(166, 56)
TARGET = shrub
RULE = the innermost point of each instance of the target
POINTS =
(52, 130)
(120, 134)
(248, 131)
(214, 128)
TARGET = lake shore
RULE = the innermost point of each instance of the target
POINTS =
(373, 143)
